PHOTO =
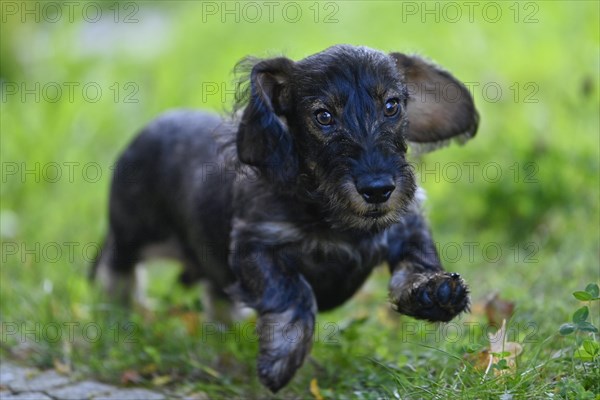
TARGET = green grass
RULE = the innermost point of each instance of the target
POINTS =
(544, 218)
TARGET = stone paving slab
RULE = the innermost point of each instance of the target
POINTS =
(38, 383)
(20, 383)
(132, 394)
(84, 390)
(25, 396)
(10, 372)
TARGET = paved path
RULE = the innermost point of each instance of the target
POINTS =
(19, 383)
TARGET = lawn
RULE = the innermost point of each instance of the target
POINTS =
(515, 211)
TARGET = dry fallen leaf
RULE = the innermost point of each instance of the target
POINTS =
(61, 367)
(149, 369)
(500, 349)
(314, 389)
(130, 376)
(479, 360)
(191, 320)
(497, 309)
(161, 380)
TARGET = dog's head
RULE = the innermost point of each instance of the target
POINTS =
(335, 125)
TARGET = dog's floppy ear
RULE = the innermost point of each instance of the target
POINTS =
(263, 138)
(439, 107)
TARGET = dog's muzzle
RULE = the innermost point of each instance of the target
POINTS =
(375, 189)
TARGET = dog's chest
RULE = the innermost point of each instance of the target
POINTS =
(319, 251)
(336, 267)
(334, 264)
(315, 248)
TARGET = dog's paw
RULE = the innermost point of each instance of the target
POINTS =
(437, 297)
(283, 346)
(275, 372)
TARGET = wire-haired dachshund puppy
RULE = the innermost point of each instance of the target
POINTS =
(290, 206)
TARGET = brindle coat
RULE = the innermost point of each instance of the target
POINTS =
(290, 207)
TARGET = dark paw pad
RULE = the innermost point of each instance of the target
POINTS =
(439, 297)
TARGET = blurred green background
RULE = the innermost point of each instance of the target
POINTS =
(515, 211)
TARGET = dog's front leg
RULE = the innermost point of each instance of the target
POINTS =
(269, 282)
(419, 286)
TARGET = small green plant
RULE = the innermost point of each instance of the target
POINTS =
(585, 331)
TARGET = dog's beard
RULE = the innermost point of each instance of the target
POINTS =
(347, 210)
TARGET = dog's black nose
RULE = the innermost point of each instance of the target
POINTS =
(375, 189)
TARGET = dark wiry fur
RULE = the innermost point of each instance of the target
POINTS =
(291, 216)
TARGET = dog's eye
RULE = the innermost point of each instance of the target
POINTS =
(391, 107)
(324, 117)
